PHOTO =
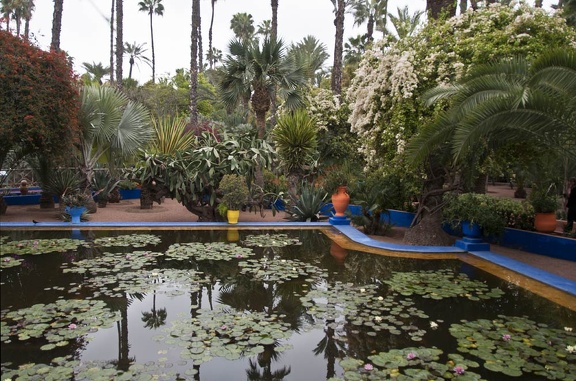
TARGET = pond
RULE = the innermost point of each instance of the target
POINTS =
(263, 305)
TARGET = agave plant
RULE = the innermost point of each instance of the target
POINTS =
(308, 206)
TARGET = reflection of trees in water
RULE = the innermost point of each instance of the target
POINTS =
(331, 348)
(121, 304)
(155, 318)
(262, 370)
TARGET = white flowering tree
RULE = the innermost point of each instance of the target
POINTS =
(385, 95)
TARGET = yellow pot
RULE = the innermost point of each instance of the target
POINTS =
(232, 216)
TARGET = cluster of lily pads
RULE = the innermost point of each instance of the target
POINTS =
(441, 284)
(226, 333)
(517, 345)
(12, 250)
(132, 240)
(410, 363)
(363, 308)
(215, 251)
(271, 240)
(58, 323)
(280, 270)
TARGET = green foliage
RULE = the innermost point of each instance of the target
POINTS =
(193, 176)
(75, 199)
(63, 181)
(543, 199)
(474, 208)
(308, 206)
(234, 191)
(295, 139)
(38, 100)
(384, 96)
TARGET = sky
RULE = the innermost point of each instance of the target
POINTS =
(85, 32)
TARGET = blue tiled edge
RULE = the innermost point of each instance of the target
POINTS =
(352, 233)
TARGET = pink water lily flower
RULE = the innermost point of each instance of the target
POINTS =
(458, 369)
(368, 367)
(72, 326)
(506, 337)
(411, 356)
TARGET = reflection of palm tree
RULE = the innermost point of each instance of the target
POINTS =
(154, 318)
(253, 374)
(331, 348)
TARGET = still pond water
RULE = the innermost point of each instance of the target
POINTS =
(263, 305)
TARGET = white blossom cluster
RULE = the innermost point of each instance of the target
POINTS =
(384, 94)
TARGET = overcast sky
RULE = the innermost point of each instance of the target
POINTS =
(85, 31)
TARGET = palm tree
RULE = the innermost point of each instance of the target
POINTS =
(339, 11)
(214, 55)
(404, 24)
(6, 9)
(194, 62)
(274, 29)
(310, 54)
(265, 29)
(112, 126)
(210, 55)
(56, 25)
(119, 41)
(111, 21)
(152, 7)
(96, 71)
(136, 53)
(242, 25)
(373, 12)
(254, 72)
(499, 102)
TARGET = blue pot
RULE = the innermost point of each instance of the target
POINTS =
(75, 212)
(471, 229)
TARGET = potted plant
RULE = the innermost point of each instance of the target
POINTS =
(235, 194)
(545, 203)
(335, 183)
(75, 204)
(476, 214)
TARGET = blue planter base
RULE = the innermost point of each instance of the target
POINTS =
(338, 220)
(472, 244)
(75, 213)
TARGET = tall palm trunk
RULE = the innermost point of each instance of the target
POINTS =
(436, 7)
(336, 84)
(56, 25)
(274, 31)
(112, 41)
(153, 53)
(211, 55)
(119, 41)
(194, 63)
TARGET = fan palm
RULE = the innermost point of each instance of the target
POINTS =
(371, 12)
(111, 125)
(255, 73)
(501, 102)
(97, 71)
(242, 24)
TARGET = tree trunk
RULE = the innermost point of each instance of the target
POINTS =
(119, 41)
(336, 84)
(436, 7)
(146, 198)
(112, 41)
(3, 205)
(57, 25)
(194, 63)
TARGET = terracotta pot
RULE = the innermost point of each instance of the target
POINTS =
(232, 216)
(545, 222)
(340, 201)
(338, 252)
